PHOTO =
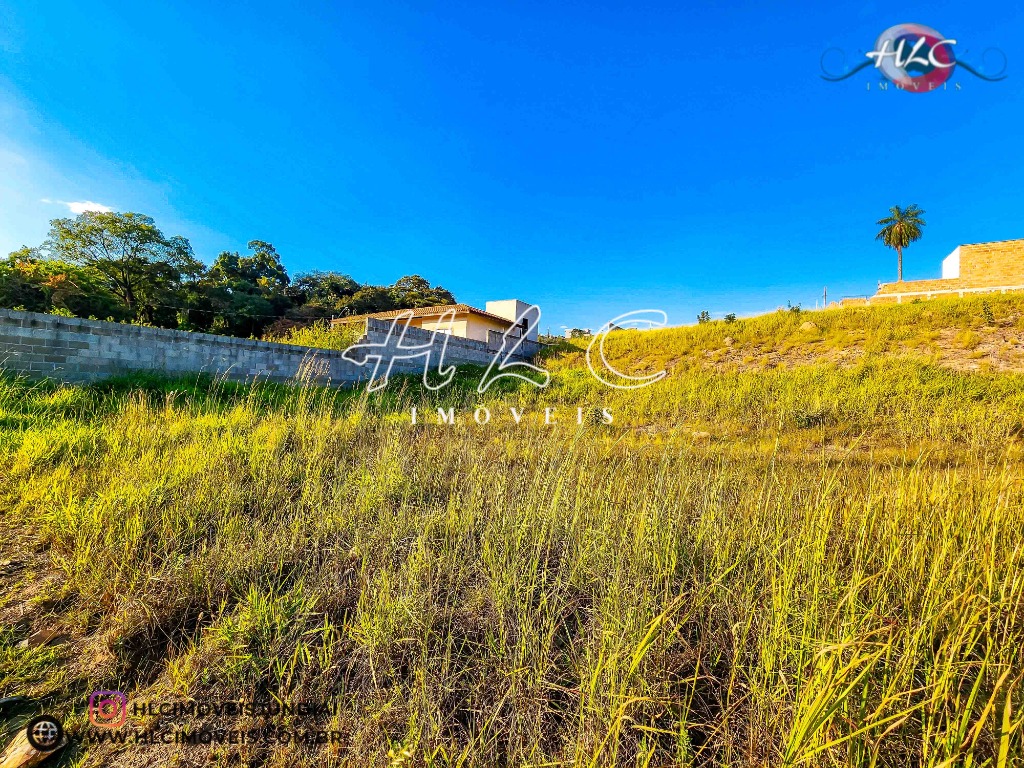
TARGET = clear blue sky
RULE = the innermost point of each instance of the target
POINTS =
(591, 157)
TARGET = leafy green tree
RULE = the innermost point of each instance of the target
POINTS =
(245, 294)
(315, 297)
(263, 269)
(324, 289)
(46, 285)
(415, 291)
(899, 229)
(136, 261)
(121, 265)
(370, 298)
(17, 286)
(407, 293)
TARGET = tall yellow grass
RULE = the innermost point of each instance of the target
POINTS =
(819, 566)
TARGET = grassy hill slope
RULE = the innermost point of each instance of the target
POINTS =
(803, 546)
(975, 333)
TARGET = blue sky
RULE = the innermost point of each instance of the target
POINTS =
(593, 158)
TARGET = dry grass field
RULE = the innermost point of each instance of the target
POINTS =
(803, 547)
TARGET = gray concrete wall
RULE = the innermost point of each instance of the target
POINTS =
(73, 349)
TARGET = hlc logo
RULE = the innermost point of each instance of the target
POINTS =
(927, 66)
(914, 58)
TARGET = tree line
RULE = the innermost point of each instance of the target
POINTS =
(121, 267)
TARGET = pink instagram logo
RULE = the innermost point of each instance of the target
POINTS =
(108, 709)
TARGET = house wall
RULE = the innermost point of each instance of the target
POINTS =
(969, 269)
(951, 265)
(512, 310)
(466, 325)
(992, 264)
(457, 327)
(479, 327)
(77, 350)
(458, 350)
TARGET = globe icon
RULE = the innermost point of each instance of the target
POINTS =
(44, 733)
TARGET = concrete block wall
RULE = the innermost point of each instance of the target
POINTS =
(78, 350)
(74, 349)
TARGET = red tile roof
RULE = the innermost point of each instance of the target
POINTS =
(459, 309)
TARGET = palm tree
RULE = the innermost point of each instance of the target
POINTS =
(899, 229)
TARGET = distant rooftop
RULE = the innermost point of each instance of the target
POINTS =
(391, 314)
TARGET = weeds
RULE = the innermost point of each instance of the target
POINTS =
(320, 335)
(832, 577)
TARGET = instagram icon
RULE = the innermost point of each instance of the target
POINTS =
(108, 709)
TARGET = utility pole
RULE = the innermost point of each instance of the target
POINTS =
(824, 304)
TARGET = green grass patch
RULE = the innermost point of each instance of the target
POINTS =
(818, 565)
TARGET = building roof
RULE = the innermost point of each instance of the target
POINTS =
(391, 314)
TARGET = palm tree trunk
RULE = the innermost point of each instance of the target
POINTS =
(899, 267)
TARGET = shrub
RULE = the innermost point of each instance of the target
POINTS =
(320, 335)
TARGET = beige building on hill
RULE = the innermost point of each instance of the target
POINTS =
(970, 269)
(467, 322)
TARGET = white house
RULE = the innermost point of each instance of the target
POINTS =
(467, 322)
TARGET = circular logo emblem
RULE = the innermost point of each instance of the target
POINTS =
(45, 733)
(915, 57)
